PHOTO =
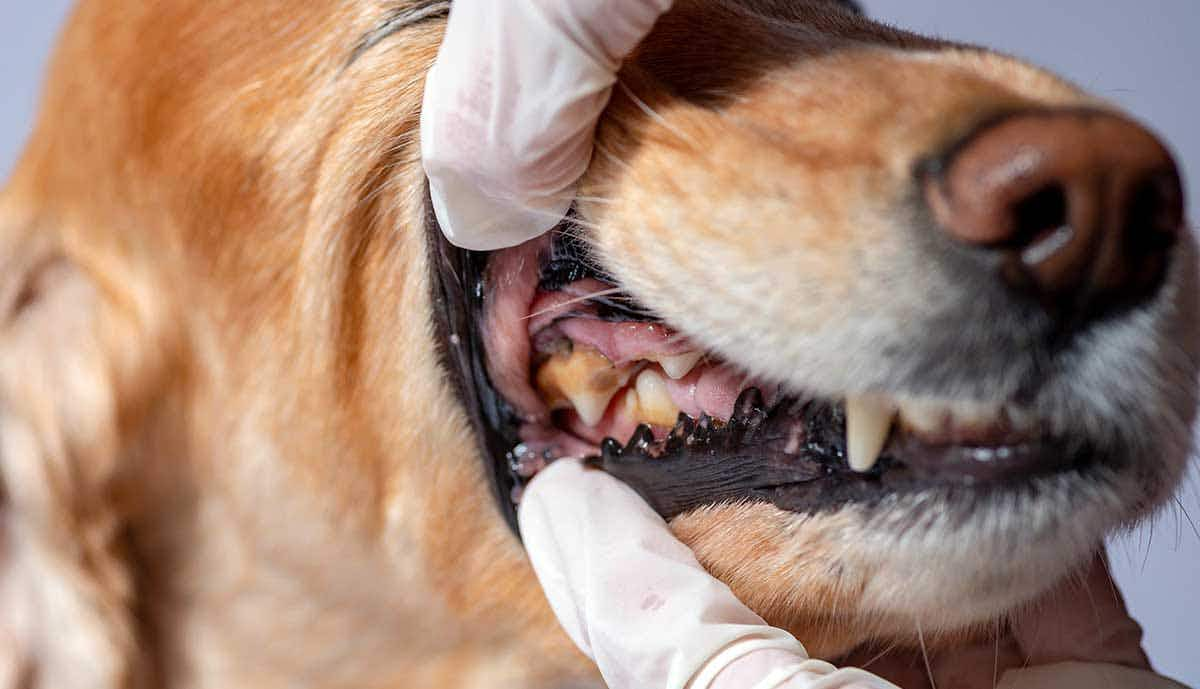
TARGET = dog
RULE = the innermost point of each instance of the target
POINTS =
(890, 328)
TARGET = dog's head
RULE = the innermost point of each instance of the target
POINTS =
(893, 329)
(911, 326)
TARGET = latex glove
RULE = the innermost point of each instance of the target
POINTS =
(636, 601)
(511, 106)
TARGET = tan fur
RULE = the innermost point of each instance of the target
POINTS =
(229, 455)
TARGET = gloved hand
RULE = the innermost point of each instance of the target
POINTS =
(511, 106)
(636, 601)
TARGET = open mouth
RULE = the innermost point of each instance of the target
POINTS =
(562, 362)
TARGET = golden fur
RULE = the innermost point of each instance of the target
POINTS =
(229, 456)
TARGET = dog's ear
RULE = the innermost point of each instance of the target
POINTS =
(72, 361)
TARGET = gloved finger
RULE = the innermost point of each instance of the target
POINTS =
(631, 596)
(635, 599)
(511, 106)
(1082, 619)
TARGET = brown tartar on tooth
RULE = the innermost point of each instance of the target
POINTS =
(582, 379)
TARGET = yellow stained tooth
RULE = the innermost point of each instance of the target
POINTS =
(654, 401)
(868, 421)
(679, 365)
(632, 406)
(583, 379)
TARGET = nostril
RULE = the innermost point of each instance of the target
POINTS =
(1079, 208)
(1041, 224)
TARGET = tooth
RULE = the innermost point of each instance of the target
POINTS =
(631, 405)
(679, 365)
(923, 416)
(590, 405)
(868, 420)
(974, 414)
(655, 402)
(1020, 419)
(585, 380)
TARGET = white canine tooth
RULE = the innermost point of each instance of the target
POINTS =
(868, 421)
(679, 365)
(654, 401)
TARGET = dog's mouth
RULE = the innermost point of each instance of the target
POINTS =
(557, 360)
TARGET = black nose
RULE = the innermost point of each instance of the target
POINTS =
(1082, 207)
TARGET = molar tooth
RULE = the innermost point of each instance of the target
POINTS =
(966, 415)
(1021, 420)
(924, 416)
(868, 421)
(679, 365)
(655, 402)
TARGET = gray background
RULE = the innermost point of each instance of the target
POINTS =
(1142, 54)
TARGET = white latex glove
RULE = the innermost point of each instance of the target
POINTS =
(511, 106)
(636, 601)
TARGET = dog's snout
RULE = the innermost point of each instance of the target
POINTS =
(1080, 207)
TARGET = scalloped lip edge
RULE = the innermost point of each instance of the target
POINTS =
(458, 286)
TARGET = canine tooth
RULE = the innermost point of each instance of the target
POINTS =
(654, 401)
(590, 406)
(585, 379)
(868, 420)
(679, 365)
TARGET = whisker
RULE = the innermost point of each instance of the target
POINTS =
(576, 300)
(879, 655)
(1187, 516)
(925, 655)
(996, 657)
(650, 112)
(612, 156)
(595, 199)
(1149, 543)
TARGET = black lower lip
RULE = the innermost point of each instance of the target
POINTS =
(985, 464)
(758, 456)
